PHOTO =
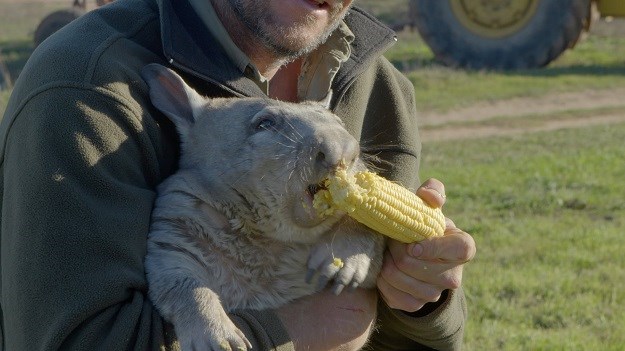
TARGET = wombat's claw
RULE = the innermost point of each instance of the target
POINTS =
(338, 288)
(248, 344)
(232, 340)
(224, 346)
(322, 281)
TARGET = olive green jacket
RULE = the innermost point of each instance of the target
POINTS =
(82, 151)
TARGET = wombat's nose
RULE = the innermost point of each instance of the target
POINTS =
(331, 154)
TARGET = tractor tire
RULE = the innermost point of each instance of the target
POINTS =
(55, 21)
(499, 35)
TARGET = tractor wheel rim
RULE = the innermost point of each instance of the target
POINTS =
(494, 18)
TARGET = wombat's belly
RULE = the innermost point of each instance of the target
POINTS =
(266, 283)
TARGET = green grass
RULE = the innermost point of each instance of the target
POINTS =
(4, 99)
(547, 212)
(595, 63)
(546, 209)
(392, 12)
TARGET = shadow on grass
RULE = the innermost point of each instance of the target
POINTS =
(578, 70)
(414, 63)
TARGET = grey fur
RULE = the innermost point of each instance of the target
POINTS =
(233, 227)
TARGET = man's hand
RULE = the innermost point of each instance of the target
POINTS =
(415, 274)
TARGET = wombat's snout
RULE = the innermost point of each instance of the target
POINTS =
(335, 151)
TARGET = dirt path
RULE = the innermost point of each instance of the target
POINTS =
(440, 126)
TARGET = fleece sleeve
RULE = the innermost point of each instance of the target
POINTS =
(391, 123)
(441, 329)
(78, 177)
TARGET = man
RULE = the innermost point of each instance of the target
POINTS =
(83, 150)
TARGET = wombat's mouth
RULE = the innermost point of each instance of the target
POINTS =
(312, 189)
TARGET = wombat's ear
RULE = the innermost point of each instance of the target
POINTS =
(170, 94)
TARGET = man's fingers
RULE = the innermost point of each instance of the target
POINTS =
(449, 224)
(406, 301)
(454, 246)
(432, 191)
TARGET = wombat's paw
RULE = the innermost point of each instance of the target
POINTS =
(220, 335)
(345, 259)
(232, 340)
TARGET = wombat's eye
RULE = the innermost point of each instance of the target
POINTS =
(265, 123)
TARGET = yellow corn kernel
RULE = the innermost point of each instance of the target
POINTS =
(381, 205)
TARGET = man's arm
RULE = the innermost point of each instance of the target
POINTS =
(79, 173)
(77, 197)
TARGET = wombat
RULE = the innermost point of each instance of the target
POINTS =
(234, 227)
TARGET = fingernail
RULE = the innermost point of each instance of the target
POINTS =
(338, 288)
(416, 250)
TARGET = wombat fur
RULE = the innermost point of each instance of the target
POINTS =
(234, 227)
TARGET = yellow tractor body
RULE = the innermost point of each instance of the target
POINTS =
(614, 8)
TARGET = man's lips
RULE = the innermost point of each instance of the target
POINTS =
(320, 4)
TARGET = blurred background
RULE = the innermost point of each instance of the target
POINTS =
(522, 114)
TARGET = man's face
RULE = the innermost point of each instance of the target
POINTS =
(290, 27)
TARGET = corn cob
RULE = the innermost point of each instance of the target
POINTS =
(381, 205)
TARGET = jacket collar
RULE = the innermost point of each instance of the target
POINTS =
(189, 46)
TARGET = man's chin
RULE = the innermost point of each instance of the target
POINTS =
(298, 43)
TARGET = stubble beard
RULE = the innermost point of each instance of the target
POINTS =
(284, 43)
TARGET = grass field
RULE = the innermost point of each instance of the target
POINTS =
(596, 63)
(546, 209)
(547, 212)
